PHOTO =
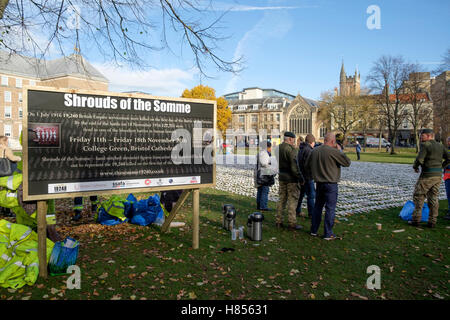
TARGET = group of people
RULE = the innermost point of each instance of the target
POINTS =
(309, 170)
(313, 170)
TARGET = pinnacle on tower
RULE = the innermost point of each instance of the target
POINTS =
(343, 76)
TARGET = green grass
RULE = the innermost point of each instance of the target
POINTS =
(132, 262)
(371, 156)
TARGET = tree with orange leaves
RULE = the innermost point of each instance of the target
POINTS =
(208, 93)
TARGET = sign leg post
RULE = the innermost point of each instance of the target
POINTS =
(174, 211)
(195, 218)
(42, 237)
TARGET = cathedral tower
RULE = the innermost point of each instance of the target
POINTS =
(349, 85)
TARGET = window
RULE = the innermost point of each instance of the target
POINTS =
(301, 122)
(322, 130)
(20, 96)
(255, 107)
(278, 117)
(7, 96)
(20, 129)
(4, 81)
(254, 118)
(20, 113)
(7, 130)
(271, 106)
(19, 83)
(8, 112)
(241, 119)
(242, 107)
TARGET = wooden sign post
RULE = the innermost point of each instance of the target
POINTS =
(42, 237)
(79, 143)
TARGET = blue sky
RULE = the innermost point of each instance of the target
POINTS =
(298, 46)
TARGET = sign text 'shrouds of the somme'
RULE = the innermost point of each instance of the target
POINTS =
(82, 142)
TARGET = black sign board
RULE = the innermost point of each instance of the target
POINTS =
(79, 142)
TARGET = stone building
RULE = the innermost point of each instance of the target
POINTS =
(440, 93)
(254, 109)
(17, 71)
(351, 85)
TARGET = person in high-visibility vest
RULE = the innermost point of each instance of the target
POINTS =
(447, 180)
(78, 206)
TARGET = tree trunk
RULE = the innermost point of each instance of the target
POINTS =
(3, 5)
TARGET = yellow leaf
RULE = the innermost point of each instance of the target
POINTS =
(192, 295)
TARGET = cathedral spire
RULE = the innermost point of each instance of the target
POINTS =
(343, 76)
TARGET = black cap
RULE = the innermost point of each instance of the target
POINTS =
(428, 131)
(289, 134)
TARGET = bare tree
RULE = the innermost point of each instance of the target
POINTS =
(340, 111)
(417, 96)
(122, 31)
(387, 76)
(445, 63)
(367, 113)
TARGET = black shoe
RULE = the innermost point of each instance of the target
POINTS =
(295, 228)
(413, 223)
(332, 237)
(431, 225)
(279, 225)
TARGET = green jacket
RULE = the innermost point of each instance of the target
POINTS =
(288, 169)
(430, 158)
(325, 164)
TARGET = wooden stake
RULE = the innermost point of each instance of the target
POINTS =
(42, 237)
(195, 218)
(175, 209)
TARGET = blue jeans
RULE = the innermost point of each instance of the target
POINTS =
(310, 192)
(447, 190)
(326, 195)
(262, 197)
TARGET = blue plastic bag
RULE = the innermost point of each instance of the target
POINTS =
(108, 220)
(146, 211)
(64, 254)
(408, 209)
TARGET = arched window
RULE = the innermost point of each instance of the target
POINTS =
(300, 121)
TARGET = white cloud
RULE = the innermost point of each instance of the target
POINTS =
(158, 82)
(222, 6)
(271, 25)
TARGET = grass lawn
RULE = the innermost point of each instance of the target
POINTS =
(372, 156)
(133, 262)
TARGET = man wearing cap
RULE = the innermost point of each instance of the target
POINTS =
(289, 179)
(430, 159)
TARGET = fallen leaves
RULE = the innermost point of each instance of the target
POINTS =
(354, 294)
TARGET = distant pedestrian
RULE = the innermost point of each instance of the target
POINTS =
(308, 187)
(264, 177)
(430, 159)
(289, 178)
(300, 141)
(358, 150)
(325, 165)
(447, 180)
